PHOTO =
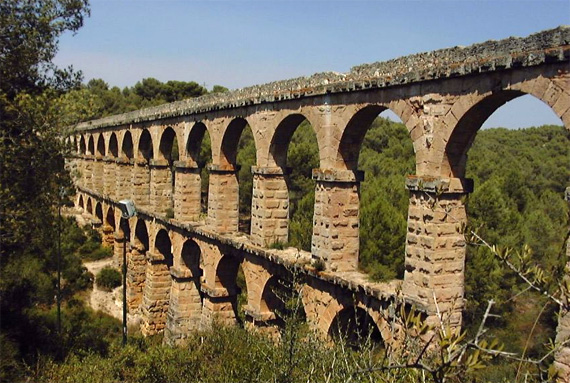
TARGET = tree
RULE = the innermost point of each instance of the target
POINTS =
(31, 155)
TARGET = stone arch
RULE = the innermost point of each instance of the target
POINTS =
(278, 289)
(229, 146)
(282, 138)
(141, 238)
(82, 147)
(99, 211)
(226, 285)
(353, 135)
(166, 145)
(80, 202)
(113, 146)
(127, 145)
(226, 272)
(91, 146)
(461, 138)
(110, 218)
(190, 258)
(355, 325)
(100, 146)
(89, 206)
(145, 150)
(163, 246)
(194, 142)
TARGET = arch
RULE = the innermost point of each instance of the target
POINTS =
(89, 206)
(127, 145)
(80, 202)
(461, 138)
(91, 145)
(282, 138)
(145, 150)
(228, 152)
(141, 235)
(82, 148)
(353, 135)
(99, 211)
(110, 218)
(113, 146)
(194, 142)
(190, 258)
(355, 326)
(101, 145)
(163, 245)
(276, 298)
(167, 145)
(226, 273)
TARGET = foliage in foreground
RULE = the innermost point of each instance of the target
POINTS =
(233, 354)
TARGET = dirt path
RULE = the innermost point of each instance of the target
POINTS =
(110, 302)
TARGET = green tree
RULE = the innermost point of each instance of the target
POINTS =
(31, 159)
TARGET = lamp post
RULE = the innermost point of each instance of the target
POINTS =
(127, 211)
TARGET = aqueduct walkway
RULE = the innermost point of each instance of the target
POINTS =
(182, 270)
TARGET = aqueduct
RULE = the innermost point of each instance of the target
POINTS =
(183, 264)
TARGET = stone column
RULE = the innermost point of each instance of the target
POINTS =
(136, 273)
(187, 187)
(156, 294)
(109, 174)
(141, 184)
(124, 170)
(77, 170)
(185, 308)
(270, 206)
(336, 218)
(97, 180)
(160, 187)
(223, 198)
(219, 306)
(108, 236)
(562, 356)
(88, 166)
(435, 246)
(74, 165)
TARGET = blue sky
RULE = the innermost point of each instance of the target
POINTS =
(241, 43)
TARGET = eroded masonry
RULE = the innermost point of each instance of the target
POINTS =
(182, 269)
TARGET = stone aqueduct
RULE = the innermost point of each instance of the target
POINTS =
(182, 270)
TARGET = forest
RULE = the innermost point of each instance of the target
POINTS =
(519, 175)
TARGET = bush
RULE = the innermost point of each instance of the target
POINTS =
(108, 278)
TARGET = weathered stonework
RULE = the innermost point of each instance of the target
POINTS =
(223, 199)
(187, 192)
(270, 207)
(336, 219)
(442, 97)
(435, 246)
(156, 294)
(160, 186)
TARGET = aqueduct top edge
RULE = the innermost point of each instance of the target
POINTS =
(514, 52)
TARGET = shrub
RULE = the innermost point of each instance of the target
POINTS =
(108, 278)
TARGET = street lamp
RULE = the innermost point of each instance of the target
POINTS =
(127, 211)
